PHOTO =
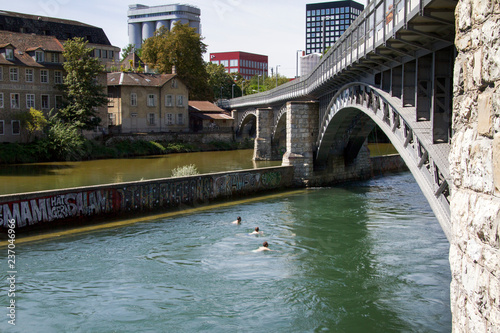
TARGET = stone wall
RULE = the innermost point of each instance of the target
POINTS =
(84, 204)
(176, 137)
(475, 169)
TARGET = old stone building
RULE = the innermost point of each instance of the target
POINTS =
(31, 66)
(147, 103)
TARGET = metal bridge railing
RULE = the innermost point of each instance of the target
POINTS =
(377, 23)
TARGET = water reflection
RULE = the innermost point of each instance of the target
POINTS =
(46, 176)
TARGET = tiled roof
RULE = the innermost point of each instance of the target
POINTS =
(43, 18)
(26, 43)
(204, 106)
(138, 79)
(214, 116)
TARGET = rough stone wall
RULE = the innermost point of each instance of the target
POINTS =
(338, 172)
(475, 169)
(301, 134)
(262, 149)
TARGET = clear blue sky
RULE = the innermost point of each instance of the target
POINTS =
(275, 28)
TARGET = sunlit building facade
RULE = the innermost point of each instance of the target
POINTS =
(327, 21)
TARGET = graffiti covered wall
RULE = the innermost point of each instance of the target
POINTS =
(81, 204)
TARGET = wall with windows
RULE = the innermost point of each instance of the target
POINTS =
(22, 88)
(326, 22)
(247, 64)
(149, 108)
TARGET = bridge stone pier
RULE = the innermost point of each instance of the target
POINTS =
(301, 135)
(262, 149)
(427, 73)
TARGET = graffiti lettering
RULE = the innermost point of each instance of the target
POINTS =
(271, 179)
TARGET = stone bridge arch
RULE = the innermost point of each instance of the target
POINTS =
(352, 114)
(247, 123)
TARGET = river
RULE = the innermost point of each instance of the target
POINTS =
(364, 257)
(32, 177)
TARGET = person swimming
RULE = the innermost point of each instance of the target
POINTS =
(256, 232)
(238, 220)
(264, 247)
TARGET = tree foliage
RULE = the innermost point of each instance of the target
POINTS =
(183, 48)
(222, 82)
(32, 121)
(257, 84)
(82, 92)
(129, 49)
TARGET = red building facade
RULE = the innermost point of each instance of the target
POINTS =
(247, 64)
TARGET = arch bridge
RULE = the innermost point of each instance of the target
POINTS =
(393, 69)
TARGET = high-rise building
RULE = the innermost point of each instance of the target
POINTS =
(143, 21)
(247, 64)
(327, 21)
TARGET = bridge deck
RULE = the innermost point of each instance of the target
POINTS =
(423, 130)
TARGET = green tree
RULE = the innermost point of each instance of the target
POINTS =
(183, 48)
(130, 48)
(82, 92)
(33, 121)
(221, 82)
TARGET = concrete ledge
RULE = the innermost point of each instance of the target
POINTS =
(73, 206)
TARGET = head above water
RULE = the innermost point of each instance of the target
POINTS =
(265, 244)
(256, 228)
(238, 219)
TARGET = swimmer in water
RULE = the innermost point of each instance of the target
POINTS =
(264, 247)
(238, 220)
(256, 232)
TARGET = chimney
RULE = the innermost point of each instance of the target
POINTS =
(174, 69)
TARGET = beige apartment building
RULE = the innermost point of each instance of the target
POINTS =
(144, 103)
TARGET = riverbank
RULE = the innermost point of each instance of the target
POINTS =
(35, 152)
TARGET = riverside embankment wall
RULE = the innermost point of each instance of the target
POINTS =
(83, 204)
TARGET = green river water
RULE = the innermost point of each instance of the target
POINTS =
(364, 257)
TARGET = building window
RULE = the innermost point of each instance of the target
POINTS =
(58, 78)
(168, 100)
(1, 100)
(14, 74)
(39, 56)
(55, 57)
(59, 102)
(29, 77)
(174, 83)
(151, 119)
(30, 101)
(104, 54)
(14, 101)
(45, 102)
(216, 62)
(180, 100)
(16, 127)
(151, 100)
(1, 127)
(180, 119)
(97, 53)
(111, 54)
(234, 63)
(9, 54)
(133, 99)
(44, 76)
(111, 117)
(1, 73)
(170, 119)
(225, 63)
